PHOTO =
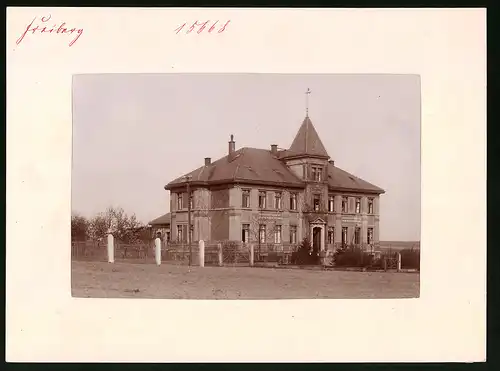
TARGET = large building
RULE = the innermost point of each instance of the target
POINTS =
(276, 196)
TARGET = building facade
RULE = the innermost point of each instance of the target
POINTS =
(276, 196)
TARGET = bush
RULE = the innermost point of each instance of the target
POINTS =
(305, 254)
(410, 259)
(352, 256)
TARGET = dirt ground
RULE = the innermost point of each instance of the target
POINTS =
(122, 280)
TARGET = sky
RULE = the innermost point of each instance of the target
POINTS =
(134, 133)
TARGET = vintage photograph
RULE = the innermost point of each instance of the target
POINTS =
(246, 186)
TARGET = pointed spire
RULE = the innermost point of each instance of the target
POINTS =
(307, 141)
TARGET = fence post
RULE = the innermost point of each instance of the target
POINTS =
(158, 251)
(251, 254)
(111, 249)
(201, 252)
(399, 261)
(219, 247)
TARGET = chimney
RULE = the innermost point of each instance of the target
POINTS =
(208, 161)
(274, 149)
(331, 162)
(231, 145)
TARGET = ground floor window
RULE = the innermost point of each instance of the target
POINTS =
(293, 234)
(331, 235)
(245, 231)
(168, 236)
(277, 234)
(344, 236)
(370, 236)
(357, 236)
(179, 233)
(262, 233)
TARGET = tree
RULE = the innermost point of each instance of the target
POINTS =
(79, 228)
(256, 221)
(124, 228)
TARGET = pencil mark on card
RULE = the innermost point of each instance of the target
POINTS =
(199, 27)
(40, 26)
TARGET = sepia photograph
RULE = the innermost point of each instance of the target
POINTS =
(246, 186)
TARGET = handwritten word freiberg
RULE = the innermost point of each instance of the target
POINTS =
(201, 26)
(54, 29)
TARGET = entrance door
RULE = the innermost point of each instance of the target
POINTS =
(316, 242)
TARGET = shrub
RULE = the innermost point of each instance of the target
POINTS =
(352, 256)
(410, 259)
(304, 254)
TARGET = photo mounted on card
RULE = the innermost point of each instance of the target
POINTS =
(291, 178)
(246, 186)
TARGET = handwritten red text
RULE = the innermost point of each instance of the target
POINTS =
(199, 27)
(59, 28)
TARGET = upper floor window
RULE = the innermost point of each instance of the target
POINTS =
(370, 206)
(277, 200)
(293, 201)
(191, 200)
(179, 201)
(316, 172)
(358, 205)
(344, 204)
(245, 198)
(316, 202)
(331, 204)
(262, 200)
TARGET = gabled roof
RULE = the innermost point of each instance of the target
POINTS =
(246, 165)
(164, 219)
(339, 179)
(307, 142)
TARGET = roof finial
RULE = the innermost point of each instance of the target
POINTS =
(307, 101)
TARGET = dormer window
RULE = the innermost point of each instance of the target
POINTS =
(316, 172)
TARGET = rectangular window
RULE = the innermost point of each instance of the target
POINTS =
(262, 200)
(316, 172)
(191, 201)
(370, 236)
(262, 233)
(331, 204)
(179, 201)
(358, 205)
(370, 206)
(191, 233)
(179, 233)
(344, 204)
(277, 234)
(293, 234)
(245, 198)
(245, 232)
(357, 236)
(168, 236)
(331, 235)
(344, 236)
(316, 202)
(277, 201)
(293, 201)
